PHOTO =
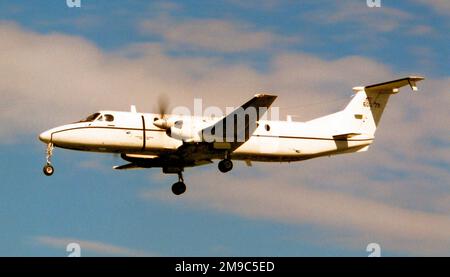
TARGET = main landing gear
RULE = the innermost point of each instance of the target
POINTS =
(225, 165)
(48, 168)
(179, 187)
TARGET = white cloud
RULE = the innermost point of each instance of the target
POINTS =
(287, 199)
(90, 246)
(212, 34)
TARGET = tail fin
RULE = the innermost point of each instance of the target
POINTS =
(365, 109)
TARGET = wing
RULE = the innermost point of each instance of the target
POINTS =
(226, 135)
(237, 127)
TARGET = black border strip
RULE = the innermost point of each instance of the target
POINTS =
(359, 266)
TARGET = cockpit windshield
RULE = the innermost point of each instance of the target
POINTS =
(90, 118)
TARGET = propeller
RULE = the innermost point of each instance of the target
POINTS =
(163, 105)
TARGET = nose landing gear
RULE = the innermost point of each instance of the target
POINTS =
(179, 187)
(48, 168)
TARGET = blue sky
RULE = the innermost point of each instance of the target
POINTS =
(60, 63)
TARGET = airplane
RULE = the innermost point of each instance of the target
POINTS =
(175, 142)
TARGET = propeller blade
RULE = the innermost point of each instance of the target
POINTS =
(163, 106)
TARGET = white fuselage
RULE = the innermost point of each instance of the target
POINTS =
(135, 133)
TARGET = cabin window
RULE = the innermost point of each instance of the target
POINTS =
(267, 127)
(109, 117)
(154, 119)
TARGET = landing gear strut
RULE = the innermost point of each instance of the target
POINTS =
(48, 168)
(179, 187)
(225, 165)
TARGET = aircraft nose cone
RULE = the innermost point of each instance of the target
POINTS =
(45, 136)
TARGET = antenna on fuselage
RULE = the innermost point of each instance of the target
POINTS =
(133, 109)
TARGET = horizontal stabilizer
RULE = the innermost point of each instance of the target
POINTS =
(393, 86)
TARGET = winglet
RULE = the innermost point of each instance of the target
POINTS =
(412, 82)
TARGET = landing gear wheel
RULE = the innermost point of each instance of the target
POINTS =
(178, 188)
(48, 170)
(225, 165)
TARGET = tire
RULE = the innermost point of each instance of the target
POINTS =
(225, 165)
(178, 188)
(48, 170)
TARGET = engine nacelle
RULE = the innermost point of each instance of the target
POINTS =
(184, 131)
